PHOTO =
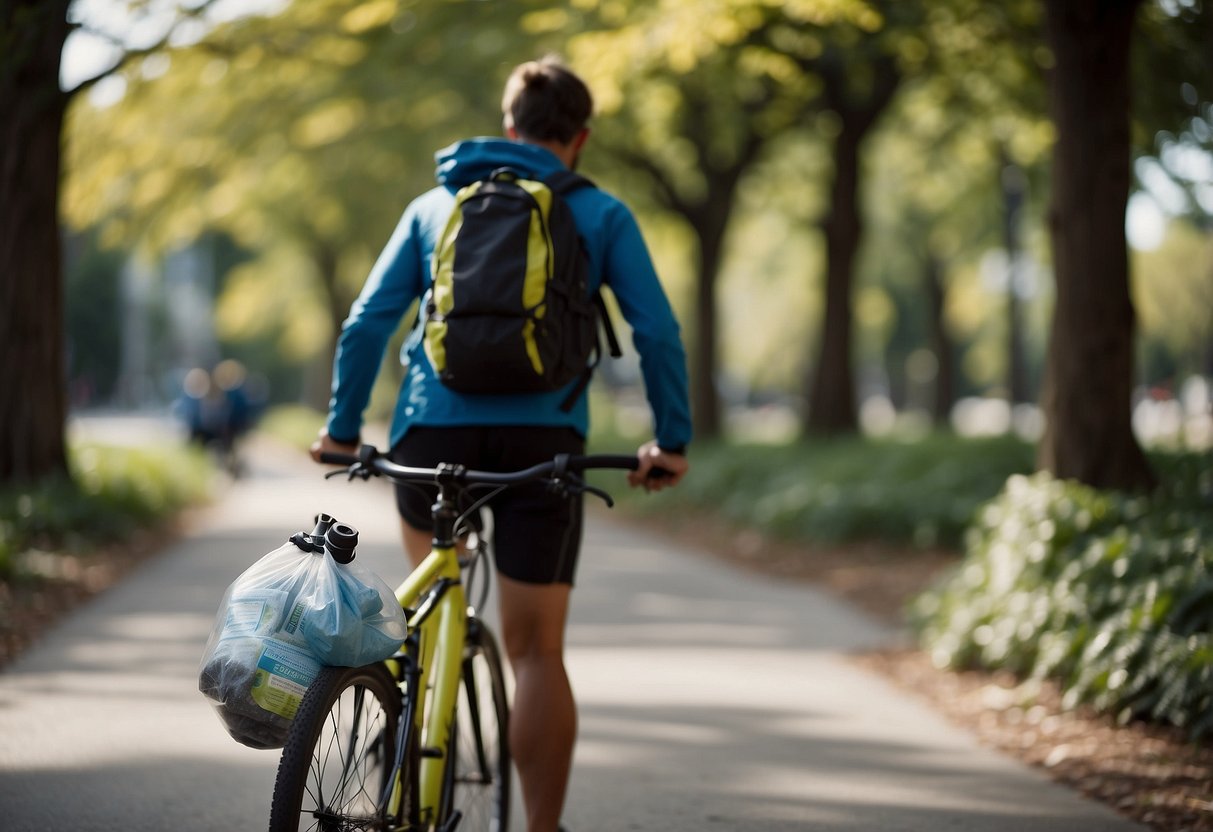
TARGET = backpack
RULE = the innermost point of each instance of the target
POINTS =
(510, 309)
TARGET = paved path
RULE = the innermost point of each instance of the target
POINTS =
(710, 699)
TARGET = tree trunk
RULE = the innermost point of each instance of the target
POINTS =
(941, 344)
(33, 404)
(832, 407)
(709, 217)
(1013, 195)
(705, 403)
(832, 387)
(1089, 371)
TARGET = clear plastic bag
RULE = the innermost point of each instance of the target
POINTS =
(305, 605)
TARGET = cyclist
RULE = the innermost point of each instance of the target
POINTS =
(537, 534)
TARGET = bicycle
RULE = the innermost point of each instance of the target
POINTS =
(419, 742)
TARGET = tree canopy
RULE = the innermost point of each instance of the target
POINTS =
(853, 154)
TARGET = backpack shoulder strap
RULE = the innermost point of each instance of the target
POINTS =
(562, 182)
(565, 181)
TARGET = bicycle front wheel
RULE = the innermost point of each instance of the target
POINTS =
(478, 773)
(339, 753)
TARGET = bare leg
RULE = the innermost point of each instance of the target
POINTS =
(543, 723)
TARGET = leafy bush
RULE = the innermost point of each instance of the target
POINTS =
(1110, 594)
(922, 493)
(113, 491)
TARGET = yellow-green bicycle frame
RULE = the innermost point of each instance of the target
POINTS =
(441, 629)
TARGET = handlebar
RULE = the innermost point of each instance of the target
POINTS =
(370, 460)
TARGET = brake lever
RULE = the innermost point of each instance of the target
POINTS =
(598, 492)
(571, 485)
(355, 471)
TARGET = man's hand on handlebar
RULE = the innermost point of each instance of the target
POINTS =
(658, 469)
(325, 444)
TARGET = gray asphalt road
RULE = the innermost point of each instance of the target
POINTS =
(709, 699)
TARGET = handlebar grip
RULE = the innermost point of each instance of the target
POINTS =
(334, 458)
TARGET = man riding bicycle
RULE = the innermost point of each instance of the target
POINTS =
(537, 534)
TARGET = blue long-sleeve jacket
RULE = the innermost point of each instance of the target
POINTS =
(618, 258)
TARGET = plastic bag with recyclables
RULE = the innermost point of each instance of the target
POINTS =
(285, 617)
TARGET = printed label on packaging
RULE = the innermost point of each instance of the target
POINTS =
(244, 616)
(282, 677)
(292, 623)
(252, 612)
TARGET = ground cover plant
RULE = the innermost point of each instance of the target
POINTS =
(1109, 594)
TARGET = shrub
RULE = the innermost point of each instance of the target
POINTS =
(112, 492)
(1109, 594)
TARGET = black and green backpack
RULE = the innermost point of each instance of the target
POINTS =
(510, 310)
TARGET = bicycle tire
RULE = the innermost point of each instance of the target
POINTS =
(338, 753)
(478, 773)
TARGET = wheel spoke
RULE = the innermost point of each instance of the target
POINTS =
(471, 688)
(341, 746)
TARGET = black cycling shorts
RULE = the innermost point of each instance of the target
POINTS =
(536, 534)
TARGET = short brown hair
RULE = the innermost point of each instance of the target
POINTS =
(545, 101)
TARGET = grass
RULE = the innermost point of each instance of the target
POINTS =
(923, 493)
